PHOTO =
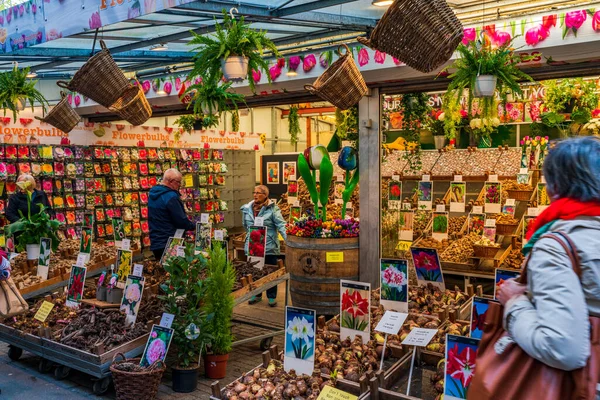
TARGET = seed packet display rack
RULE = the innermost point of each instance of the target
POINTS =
(113, 182)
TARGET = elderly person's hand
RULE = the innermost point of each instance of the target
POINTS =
(509, 289)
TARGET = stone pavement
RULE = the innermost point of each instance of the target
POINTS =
(21, 379)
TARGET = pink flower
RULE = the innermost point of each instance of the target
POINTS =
(154, 335)
(596, 113)
(95, 21)
(156, 351)
(596, 21)
(502, 38)
(379, 57)
(363, 57)
(294, 63)
(168, 87)
(132, 293)
(536, 35)
(396, 61)
(146, 85)
(70, 98)
(177, 84)
(575, 19)
(77, 100)
(309, 62)
(274, 72)
(324, 59)
(469, 35)
(256, 75)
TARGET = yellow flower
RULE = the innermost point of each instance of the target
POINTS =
(263, 139)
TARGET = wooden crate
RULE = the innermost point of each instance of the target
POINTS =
(248, 284)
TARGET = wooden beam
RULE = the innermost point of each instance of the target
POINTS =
(308, 132)
(316, 110)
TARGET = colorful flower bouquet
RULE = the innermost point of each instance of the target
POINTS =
(311, 227)
(533, 151)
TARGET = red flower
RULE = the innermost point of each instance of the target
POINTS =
(549, 21)
(256, 236)
(426, 261)
(76, 287)
(355, 304)
(395, 190)
(461, 365)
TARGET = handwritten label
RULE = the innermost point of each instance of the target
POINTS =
(490, 223)
(180, 251)
(477, 209)
(419, 337)
(493, 178)
(81, 259)
(532, 211)
(391, 322)
(403, 245)
(167, 320)
(335, 256)
(179, 233)
(138, 270)
(259, 221)
(296, 203)
(44, 311)
(125, 244)
(440, 208)
(219, 235)
(523, 171)
(204, 218)
(396, 178)
(330, 393)
(426, 178)
(457, 178)
(510, 202)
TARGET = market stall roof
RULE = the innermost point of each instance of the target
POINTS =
(155, 43)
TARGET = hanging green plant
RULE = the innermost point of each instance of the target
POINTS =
(16, 90)
(416, 113)
(235, 121)
(210, 100)
(294, 125)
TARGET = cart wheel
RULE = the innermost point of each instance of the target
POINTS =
(266, 343)
(101, 385)
(61, 372)
(14, 353)
(45, 366)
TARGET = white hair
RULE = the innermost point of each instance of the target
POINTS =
(27, 178)
(171, 174)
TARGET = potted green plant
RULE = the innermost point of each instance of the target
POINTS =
(218, 303)
(479, 67)
(16, 90)
(31, 228)
(569, 99)
(184, 292)
(436, 126)
(211, 99)
(234, 51)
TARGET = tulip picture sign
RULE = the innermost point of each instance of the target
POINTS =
(300, 332)
(493, 198)
(394, 284)
(428, 267)
(355, 306)
(257, 244)
(394, 195)
(460, 366)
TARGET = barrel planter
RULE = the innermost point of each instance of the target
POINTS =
(314, 282)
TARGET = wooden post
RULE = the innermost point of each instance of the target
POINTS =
(470, 291)
(308, 132)
(274, 350)
(364, 384)
(374, 386)
(266, 357)
(479, 291)
(369, 108)
(215, 388)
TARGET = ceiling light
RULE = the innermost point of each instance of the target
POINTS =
(292, 73)
(382, 3)
(161, 92)
(159, 47)
(31, 75)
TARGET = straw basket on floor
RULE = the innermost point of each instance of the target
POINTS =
(342, 83)
(133, 106)
(422, 34)
(62, 116)
(100, 79)
(506, 229)
(485, 251)
(136, 385)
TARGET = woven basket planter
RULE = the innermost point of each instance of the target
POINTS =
(62, 116)
(506, 229)
(485, 251)
(136, 385)
(133, 106)
(421, 33)
(100, 79)
(520, 195)
(341, 84)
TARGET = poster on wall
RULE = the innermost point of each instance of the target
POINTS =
(406, 219)
(289, 171)
(273, 173)
(493, 197)
(425, 195)
(428, 267)
(355, 314)
(393, 276)
(257, 243)
(300, 331)
(458, 196)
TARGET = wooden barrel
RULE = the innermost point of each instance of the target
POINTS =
(315, 282)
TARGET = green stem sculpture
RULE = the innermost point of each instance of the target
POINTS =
(350, 186)
(320, 196)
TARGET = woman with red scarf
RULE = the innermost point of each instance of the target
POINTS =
(549, 316)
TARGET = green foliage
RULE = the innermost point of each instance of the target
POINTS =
(325, 176)
(231, 38)
(186, 122)
(579, 94)
(214, 98)
(347, 125)
(32, 228)
(184, 291)
(294, 125)
(218, 300)
(235, 121)
(415, 115)
(16, 89)
(440, 224)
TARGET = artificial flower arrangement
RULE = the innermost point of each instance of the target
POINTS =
(311, 227)
(533, 151)
(483, 129)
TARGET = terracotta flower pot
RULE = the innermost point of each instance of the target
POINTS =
(215, 365)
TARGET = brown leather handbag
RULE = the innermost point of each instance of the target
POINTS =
(11, 301)
(515, 375)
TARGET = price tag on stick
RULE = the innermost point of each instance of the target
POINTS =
(390, 324)
(167, 320)
(418, 337)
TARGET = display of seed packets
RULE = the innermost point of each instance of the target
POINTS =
(393, 275)
(300, 332)
(493, 197)
(460, 366)
(118, 229)
(132, 297)
(458, 196)
(157, 345)
(479, 308)
(355, 314)
(257, 244)
(44, 258)
(502, 275)
(428, 267)
(425, 195)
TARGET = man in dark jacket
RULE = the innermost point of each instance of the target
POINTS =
(165, 212)
(18, 201)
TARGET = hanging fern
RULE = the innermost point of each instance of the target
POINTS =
(235, 121)
(415, 115)
(294, 125)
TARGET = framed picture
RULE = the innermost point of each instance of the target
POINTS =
(273, 173)
(289, 171)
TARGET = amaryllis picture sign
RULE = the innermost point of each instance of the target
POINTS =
(428, 267)
(460, 366)
(394, 284)
(355, 309)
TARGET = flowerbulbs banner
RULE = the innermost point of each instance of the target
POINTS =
(394, 284)
(355, 315)
(460, 366)
(428, 267)
(132, 297)
(257, 244)
(157, 345)
(300, 329)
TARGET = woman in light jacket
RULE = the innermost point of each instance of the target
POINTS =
(265, 208)
(548, 317)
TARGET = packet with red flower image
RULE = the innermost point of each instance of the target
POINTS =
(460, 366)
(11, 187)
(11, 171)
(10, 152)
(75, 286)
(394, 195)
(257, 243)
(355, 315)
(428, 267)
(23, 152)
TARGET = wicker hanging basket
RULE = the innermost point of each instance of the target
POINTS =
(100, 79)
(421, 33)
(62, 116)
(136, 385)
(341, 84)
(133, 106)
